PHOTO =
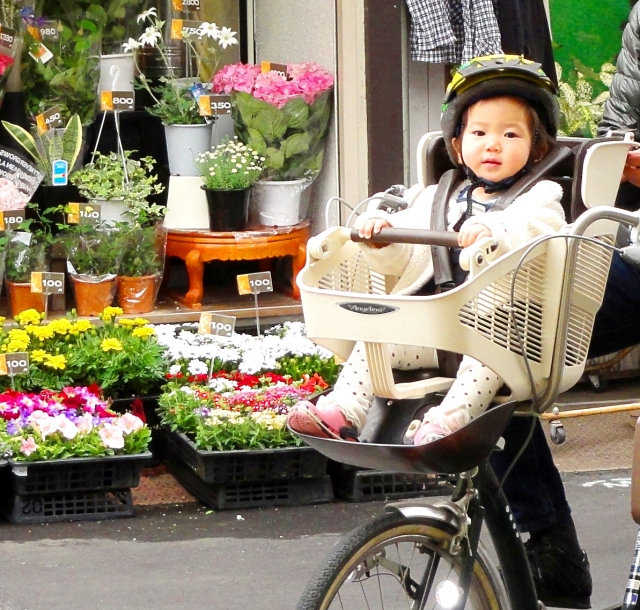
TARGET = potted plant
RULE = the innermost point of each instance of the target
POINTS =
(187, 132)
(117, 182)
(67, 74)
(25, 253)
(285, 118)
(93, 258)
(228, 172)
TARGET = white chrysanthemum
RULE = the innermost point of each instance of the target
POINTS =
(197, 367)
(174, 369)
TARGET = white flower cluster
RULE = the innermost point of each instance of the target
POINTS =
(230, 157)
(247, 353)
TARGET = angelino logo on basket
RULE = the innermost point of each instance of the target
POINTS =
(369, 309)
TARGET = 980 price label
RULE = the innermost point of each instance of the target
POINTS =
(253, 283)
(16, 363)
(216, 324)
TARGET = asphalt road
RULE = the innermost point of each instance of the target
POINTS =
(191, 558)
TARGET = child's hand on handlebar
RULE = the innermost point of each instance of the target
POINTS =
(470, 234)
(370, 226)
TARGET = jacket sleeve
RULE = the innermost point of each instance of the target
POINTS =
(536, 212)
(622, 109)
(394, 258)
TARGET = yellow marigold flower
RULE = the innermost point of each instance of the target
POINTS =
(81, 326)
(140, 321)
(29, 316)
(55, 362)
(38, 355)
(18, 333)
(111, 345)
(126, 322)
(2, 320)
(61, 326)
(110, 312)
(143, 332)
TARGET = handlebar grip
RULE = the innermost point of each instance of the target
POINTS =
(392, 235)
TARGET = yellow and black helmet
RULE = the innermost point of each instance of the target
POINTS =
(496, 76)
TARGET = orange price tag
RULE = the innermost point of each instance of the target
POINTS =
(176, 29)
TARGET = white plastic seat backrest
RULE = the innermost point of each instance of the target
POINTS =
(602, 170)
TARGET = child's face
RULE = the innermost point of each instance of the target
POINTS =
(496, 140)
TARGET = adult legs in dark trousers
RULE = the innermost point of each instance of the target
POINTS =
(534, 487)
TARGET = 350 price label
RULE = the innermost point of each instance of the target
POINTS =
(216, 324)
(211, 105)
(16, 363)
(253, 283)
(47, 282)
(11, 219)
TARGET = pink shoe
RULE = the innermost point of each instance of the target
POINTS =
(319, 420)
(428, 433)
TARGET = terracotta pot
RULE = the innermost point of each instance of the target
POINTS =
(21, 298)
(93, 297)
(137, 294)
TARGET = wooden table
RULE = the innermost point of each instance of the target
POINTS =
(255, 243)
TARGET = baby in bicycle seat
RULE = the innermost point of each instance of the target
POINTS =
(499, 120)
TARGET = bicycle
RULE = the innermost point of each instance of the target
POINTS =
(420, 555)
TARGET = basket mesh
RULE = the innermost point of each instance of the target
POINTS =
(488, 313)
(354, 275)
(589, 280)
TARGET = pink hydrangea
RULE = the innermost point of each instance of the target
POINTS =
(10, 197)
(306, 80)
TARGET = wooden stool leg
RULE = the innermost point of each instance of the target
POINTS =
(195, 269)
(297, 265)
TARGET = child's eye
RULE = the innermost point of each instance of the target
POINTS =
(511, 134)
(478, 132)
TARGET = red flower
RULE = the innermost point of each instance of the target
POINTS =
(137, 408)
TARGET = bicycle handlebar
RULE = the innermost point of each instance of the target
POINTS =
(390, 235)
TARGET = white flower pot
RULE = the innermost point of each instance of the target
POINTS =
(184, 144)
(186, 204)
(279, 204)
(126, 71)
(112, 210)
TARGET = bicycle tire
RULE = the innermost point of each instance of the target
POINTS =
(323, 591)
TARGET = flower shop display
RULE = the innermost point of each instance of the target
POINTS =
(285, 118)
(118, 183)
(225, 406)
(71, 457)
(228, 171)
(188, 133)
(122, 356)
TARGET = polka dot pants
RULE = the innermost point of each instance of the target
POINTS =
(469, 396)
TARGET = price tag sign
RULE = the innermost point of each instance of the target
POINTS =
(190, 5)
(7, 37)
(60, 173)
(212, 105)
(47, 282)
(84, 213)
(177, 5)
(16, 363)
(49, 30)
(254, 283)
(268, 66)
(185, 28)
(41, 54)
(50, 119)
(10, 220)
(216, 324)
(117, 100)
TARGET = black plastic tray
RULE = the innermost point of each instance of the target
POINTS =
(77, 474)
(253, 494)
(225, 467)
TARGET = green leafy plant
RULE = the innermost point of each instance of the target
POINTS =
(93, 251)
(112, 177)
(232, 165)
(24, 254)
(70, 77)
(580, 108)
(51, 146)
(143, 250)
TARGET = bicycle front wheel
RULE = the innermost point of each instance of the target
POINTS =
(399, 562)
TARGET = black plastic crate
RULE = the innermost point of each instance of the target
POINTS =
(225, 467)
(77, 474)
(358, 485)
(69, 506)
(253, 494)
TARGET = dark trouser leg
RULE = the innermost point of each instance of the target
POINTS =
(617, 324)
